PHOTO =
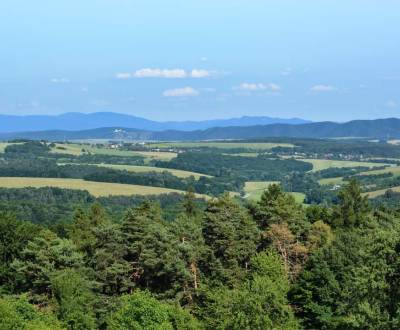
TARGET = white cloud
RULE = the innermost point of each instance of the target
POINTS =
(60, 80)
(254, 87)
(286, 71)
(164, 73)
(160, 73)
(274, 87)
(322, 88)
(196, 73)
(181, 92)
(391, 104)
(123, 75)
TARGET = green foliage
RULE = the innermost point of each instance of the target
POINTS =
(19, 314)
(14, 236)
(74, 299)
(131, 262)
(346, 284)
(30, 147)
(231, 236)
(277, 207)
(260, 303)
(261, 168)
(152, 250)
(141, 311)
(353, 207)
(40, 260)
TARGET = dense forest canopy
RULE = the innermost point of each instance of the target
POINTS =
(70, 260)
(271, 264)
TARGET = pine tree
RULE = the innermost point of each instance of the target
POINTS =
(231, 237)
(353, 208)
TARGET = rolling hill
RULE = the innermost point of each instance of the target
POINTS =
(75, 121)
(379, 128)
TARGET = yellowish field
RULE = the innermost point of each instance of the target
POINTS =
(95, 188)
(244, 154)
(323, 164)
(141, 169)
(299, 197)
(376, 193)
(79, 149)
(331, 181)
(222, 145)
(70, 149)
(392, 169)
(254, 190)
(166, 156)
(3, 145)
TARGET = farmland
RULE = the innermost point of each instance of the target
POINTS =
(80, 149)
(323, 164)
(97, 189)
(331, 181)
(376, 193)
(142, 169)
(254, 189)
(395, 170)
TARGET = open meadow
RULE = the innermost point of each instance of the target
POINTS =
(323, 164)
(380, 192)
(254, 189)
(142, 169)
(80, 149)
(395, 170)
(331, 181)
(97, 189)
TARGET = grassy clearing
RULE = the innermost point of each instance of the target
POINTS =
(95, 188)
(392, 169)
(3, 145)
(222, 145)
(244, 154)
(331, 181)
(141, 169)
(323, 164)
(254, 189)
(80, 149)
(69, 149)
(376, 193)
(154, 155)
(299, 197)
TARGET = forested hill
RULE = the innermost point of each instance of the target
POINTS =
(380, 128)
(75, 121)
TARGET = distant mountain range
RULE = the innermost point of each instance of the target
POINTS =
(75, 121)
(379, 128)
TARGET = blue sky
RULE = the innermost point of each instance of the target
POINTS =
(177, 60)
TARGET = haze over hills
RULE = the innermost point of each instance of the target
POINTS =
(379, 128)
(75, 121)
